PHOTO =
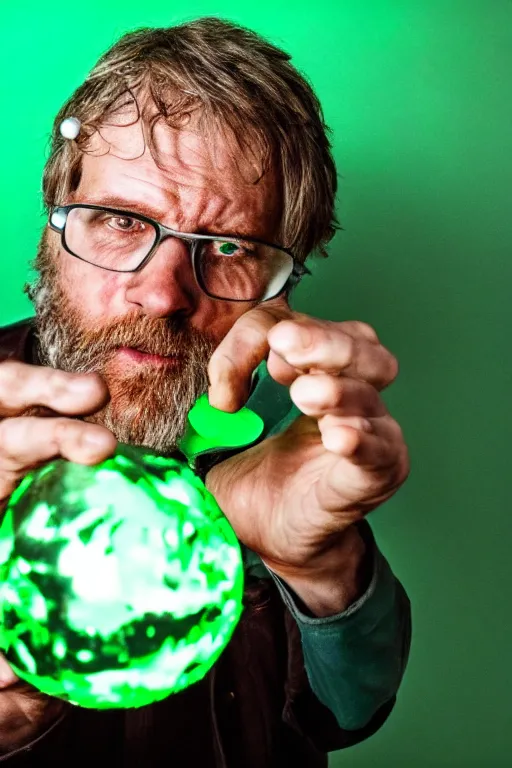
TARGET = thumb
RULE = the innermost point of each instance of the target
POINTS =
(7, 676)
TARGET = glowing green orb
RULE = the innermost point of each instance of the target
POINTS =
(119, 583)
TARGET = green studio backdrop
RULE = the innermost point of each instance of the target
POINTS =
(418, 97)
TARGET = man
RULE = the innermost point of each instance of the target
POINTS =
(180, 215)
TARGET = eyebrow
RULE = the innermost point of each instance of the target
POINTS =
(115, 201)
(136, 206)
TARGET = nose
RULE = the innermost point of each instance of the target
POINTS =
(166, 285)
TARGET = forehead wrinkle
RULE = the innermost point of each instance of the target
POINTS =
(216, 201)
(228, 214)
(186, 158)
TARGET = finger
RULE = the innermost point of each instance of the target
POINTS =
(358, 328)
(7, 676)
(23, 386)
(319, 394)
(310, 344)
(383, 426)
(280, 370)
(27, 442)
(363, 447)
(285, 374)
(239, 353)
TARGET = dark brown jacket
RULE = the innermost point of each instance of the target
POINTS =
(255, 709)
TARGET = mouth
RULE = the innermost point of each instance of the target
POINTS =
(141, 355)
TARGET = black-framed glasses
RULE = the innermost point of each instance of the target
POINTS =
(225, 267)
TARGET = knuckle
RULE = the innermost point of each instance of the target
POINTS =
(9, 438)
(12, 375)
(364, 425)
(397, 432)
(55, 383)
(359, 328)
(332, 391)
(348, 346)
(388, 371)
(273, 311)
(394, 367)
(65, 429)
(244, 347)
(366, 330)
(13, 369)
(376, 483)
(72, 435)
(400, 470)
(253, 335)
(329, 420)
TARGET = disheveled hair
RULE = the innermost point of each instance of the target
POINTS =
(232, 79)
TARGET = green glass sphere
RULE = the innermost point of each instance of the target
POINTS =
(120, 583)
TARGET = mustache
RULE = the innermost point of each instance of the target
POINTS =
(168, 337)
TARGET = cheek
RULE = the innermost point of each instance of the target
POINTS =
(95, 293)
(99, 295)
(217, 317)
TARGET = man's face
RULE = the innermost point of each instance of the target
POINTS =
(93, 319)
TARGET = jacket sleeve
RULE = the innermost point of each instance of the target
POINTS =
(344, 671)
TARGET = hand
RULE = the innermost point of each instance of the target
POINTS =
(27, 441)
(294, 497)
(359, 354)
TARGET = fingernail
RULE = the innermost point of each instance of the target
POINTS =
(220, 399)
(217, 392)
(307, 392)
(224, 396)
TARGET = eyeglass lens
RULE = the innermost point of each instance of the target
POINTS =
(243, 270)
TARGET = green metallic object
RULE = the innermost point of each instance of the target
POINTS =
(120, 583)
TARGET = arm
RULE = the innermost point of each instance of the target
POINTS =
(319, 469)
(355, 659)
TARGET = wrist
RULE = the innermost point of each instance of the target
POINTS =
(334, 580)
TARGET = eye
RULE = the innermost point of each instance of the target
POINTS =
(125, 224)
(228, 249)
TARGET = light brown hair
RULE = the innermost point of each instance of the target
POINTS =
(237, 81)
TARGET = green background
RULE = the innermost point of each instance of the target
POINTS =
(418, 96)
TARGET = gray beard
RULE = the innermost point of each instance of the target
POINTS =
(149, 405)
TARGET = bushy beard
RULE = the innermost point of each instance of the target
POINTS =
(149, 404)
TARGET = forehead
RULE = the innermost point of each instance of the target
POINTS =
(186, 178)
